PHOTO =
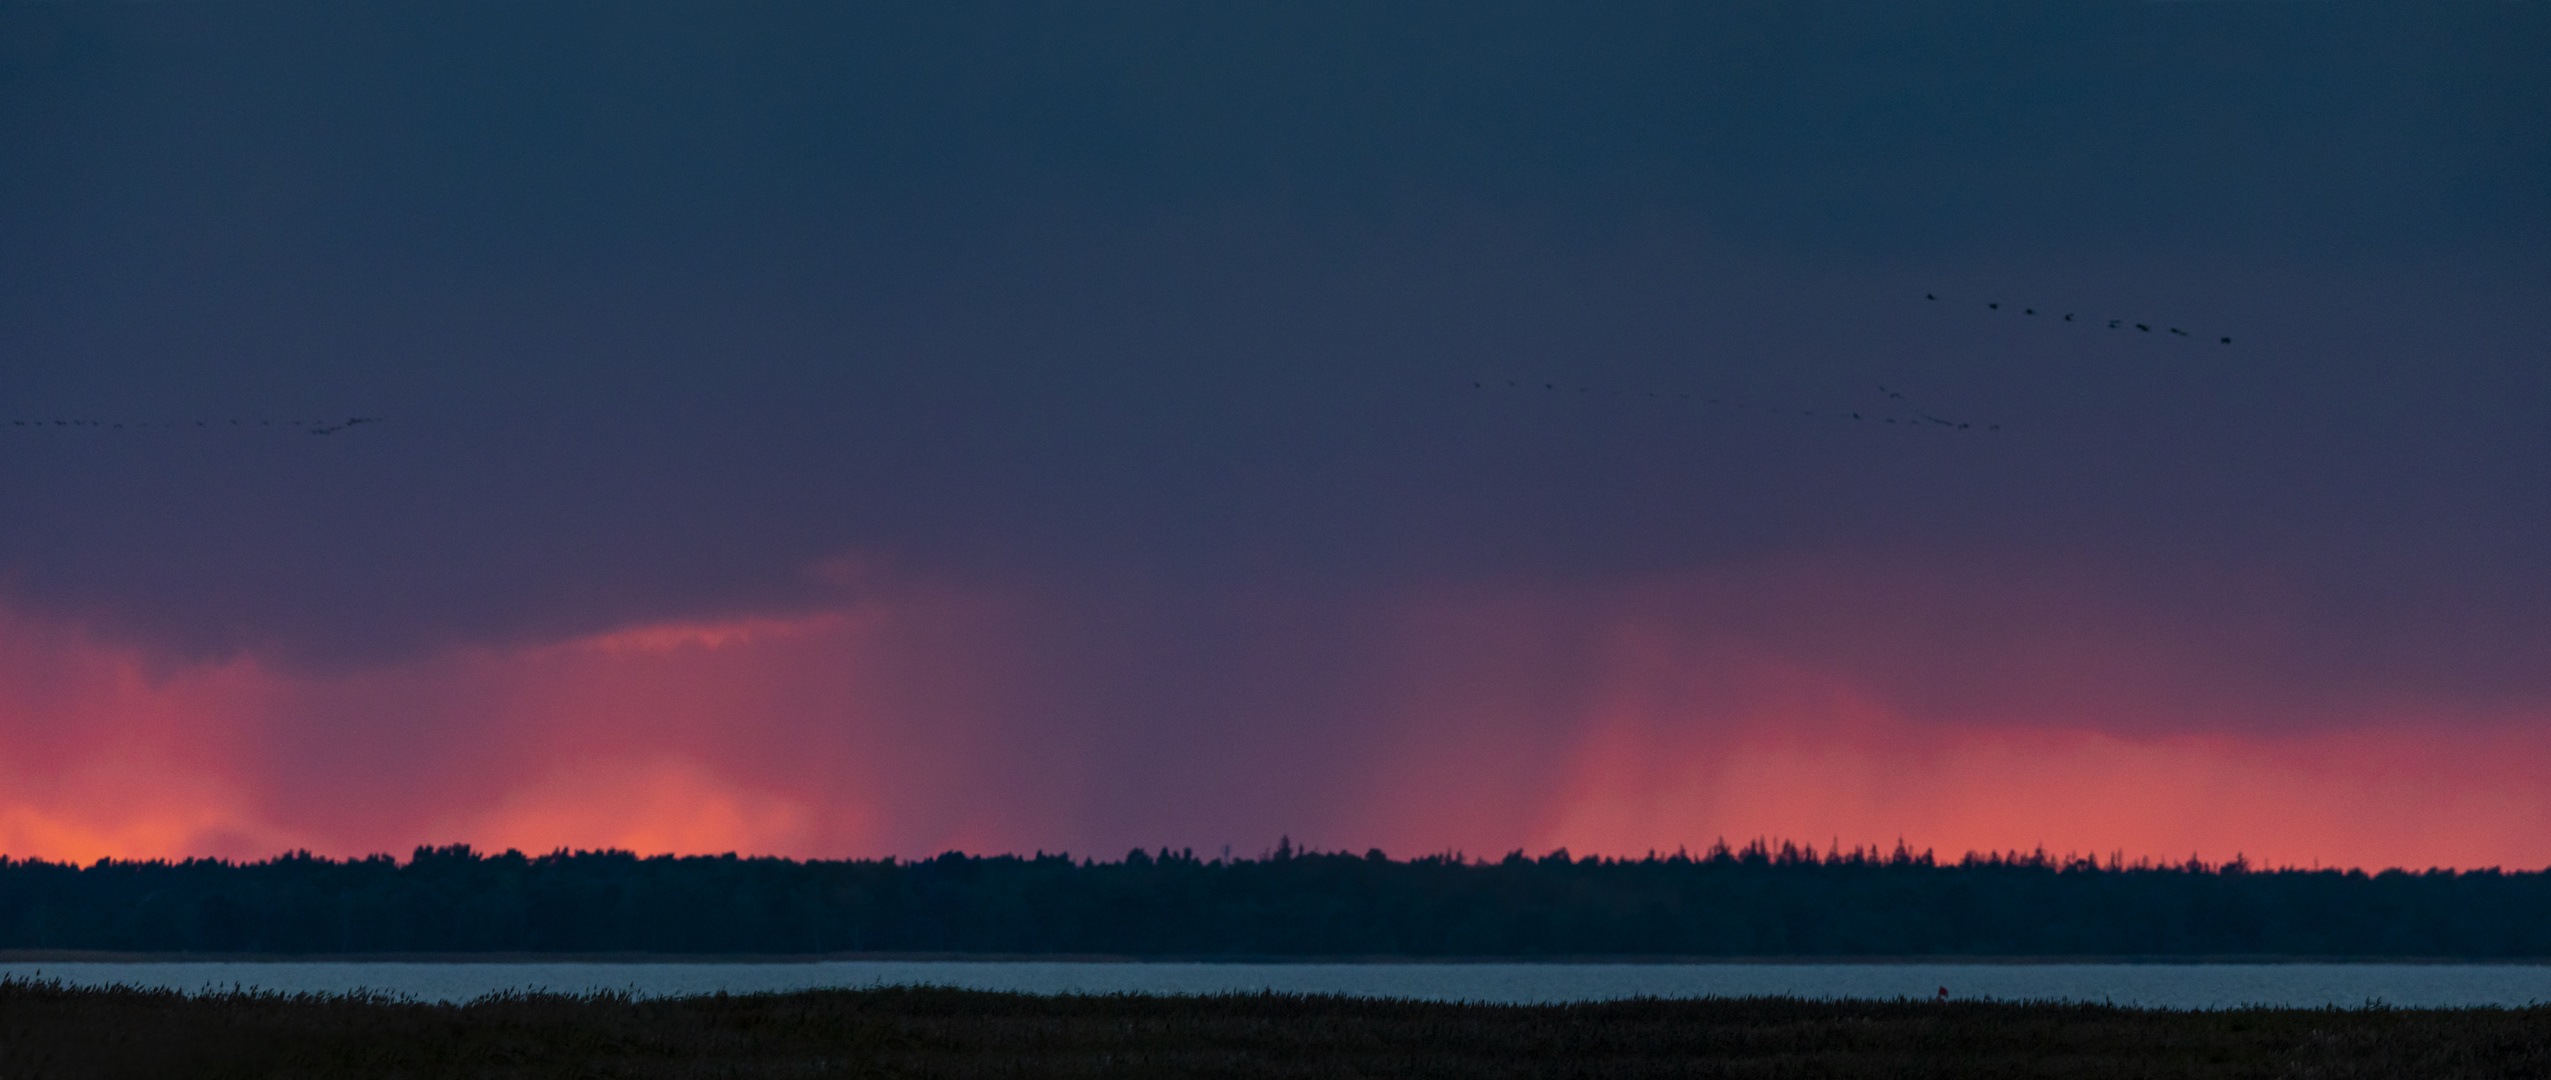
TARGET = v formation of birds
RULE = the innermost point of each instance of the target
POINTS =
(1920, 418)
(314, 427)
(1894, 398)
(2074, 317)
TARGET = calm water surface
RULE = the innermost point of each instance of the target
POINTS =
(2180, 986)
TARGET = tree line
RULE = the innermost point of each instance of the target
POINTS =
(1757, 900)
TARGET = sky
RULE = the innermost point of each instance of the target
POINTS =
(848, 430)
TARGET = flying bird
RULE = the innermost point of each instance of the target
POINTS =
(2069, 316)
(314, 427)
(1897, 395)
(1920, 418)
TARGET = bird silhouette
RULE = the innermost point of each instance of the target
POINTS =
(314, 427)
(1920, 418)
(2113, 324)
(1898, 395)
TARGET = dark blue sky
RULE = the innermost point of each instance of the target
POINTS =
(1147, 312)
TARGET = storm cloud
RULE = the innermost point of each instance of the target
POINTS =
(1093, 424)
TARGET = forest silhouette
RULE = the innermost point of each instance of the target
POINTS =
(1761, 899)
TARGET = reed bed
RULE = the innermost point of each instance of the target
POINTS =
(50, 1030)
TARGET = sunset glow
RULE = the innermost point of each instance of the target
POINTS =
(851, 430)
(836, 734)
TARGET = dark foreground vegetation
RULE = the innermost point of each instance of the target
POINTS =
(1755, 901)
(49, 1031)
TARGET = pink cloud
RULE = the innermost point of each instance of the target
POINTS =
(1679, 711)
(836, 733)
(1811, 701)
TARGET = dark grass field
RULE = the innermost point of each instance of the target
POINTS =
(51, 1031)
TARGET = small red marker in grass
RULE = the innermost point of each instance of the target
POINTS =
(1944, 993)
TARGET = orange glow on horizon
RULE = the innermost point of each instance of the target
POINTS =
(1607, 724)
(2383, 799)
(904, 726)
(1671, 745)
(668, 805)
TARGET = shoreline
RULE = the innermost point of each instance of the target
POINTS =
(91, 956)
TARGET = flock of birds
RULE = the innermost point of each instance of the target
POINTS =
(2070, 317)
(314, 427)
(1920, 417)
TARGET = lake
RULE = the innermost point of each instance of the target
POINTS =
(2178, 986)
